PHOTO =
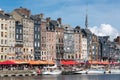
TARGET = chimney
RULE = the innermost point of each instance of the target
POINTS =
(59, 20)
(48, 19)
(41, 15)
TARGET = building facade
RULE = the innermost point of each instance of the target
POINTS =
(68, 42)
(23, 16)
(77, 43)
(84, 55)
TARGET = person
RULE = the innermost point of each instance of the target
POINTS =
(38, 71)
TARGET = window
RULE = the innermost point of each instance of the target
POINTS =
(16, 36)
(35, 28)
(5, 26)
(24, 50)
(1, 34)
(1, 26)
(5, 34)
(20, 31)
(35, 44)
(1, 41)
(1, 49)
(5, 56)
(20, 37)
(17, 31)
(38, 28)
(1, 57)
(38, 44)
(35, 36)
(5, 41)
(38, 36)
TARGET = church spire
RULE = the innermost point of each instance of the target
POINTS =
(86, 19)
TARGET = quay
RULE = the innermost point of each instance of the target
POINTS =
(9, 73)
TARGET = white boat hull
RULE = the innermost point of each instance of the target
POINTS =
(95, 71)
(115, 71)
(81, 72)
(51, 72)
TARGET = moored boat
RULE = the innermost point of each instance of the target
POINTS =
(115, 71)
(51, 70)
(81, 72)
(96, 71)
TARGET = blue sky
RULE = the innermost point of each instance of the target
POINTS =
(72, 11)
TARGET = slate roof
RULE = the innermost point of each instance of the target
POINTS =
(5, 16)
(54, 22)
(35, 17)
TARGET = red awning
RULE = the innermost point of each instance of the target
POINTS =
(68, 62)
(7, 63)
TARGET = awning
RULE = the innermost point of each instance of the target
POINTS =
(68, 62)
(21, 61)
(98, 62)
(33, 62)
(93, 62)
(50, 62)
(104, 63)
(7, 62)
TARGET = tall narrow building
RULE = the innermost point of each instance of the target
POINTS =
(37, 35)
(77, 43)
(59, 31)
(7, 36)
(23, 16)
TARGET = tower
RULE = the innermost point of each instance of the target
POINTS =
(86, 19)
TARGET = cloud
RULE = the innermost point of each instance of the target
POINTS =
(105, 30)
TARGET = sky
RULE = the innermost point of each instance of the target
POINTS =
(101, 13)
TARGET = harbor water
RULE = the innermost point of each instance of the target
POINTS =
(66, 77)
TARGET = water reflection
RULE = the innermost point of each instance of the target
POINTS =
(66, 77)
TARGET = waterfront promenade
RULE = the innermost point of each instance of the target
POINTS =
(8, 73)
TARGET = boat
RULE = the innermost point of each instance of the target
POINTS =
(81, 72)
(115, 71)
(51, 70)
(96, 71)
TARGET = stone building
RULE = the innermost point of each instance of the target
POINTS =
(84, 55)
(37, 35)
(50, 39)
(7, 36)
(18, 40)
(95, 48)
(68, 42)
(43, 40)
(77, 43)
(59, 31)
(23, 16)
(104, 47)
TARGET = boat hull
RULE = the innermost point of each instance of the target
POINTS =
(51, 72)
(96, 71)
(81, 72)
(114, 71)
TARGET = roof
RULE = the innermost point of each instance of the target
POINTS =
(35, 17)
(3, 16)
(54, 22)
(88, 31)
(23, 15)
